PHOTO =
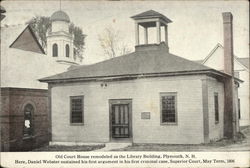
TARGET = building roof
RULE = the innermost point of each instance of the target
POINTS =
(60, 16)
(151, 14)
(2, 9)
(12, 32)
(244, 61)
(141, 62)
(198, 61)
(27, 41)
(20, 37)
(20, 66)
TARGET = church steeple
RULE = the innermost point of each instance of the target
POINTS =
(59, 40)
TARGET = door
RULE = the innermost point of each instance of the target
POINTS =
(120, 124)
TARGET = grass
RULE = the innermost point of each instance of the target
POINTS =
(58, 148)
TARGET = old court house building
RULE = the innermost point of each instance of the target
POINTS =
(148, 96)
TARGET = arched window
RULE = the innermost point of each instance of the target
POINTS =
(28, 123)
(55, 50)
(67, 50)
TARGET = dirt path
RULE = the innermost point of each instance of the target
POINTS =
(240, 146)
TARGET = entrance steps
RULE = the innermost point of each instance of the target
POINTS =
(114, 145)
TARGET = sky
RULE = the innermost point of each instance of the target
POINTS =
(196, 28)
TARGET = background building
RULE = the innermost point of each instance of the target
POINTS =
(24, 100)
(241, 70)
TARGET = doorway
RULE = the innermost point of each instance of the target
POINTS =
(120, 119)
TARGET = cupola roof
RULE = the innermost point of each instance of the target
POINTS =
(60, 16)
(151, 14)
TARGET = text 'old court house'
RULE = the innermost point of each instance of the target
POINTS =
(148, 96)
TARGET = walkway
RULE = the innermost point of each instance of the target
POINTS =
(113, 146)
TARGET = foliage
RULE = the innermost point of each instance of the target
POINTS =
(111, 42)
(41, 25)
(78, 39)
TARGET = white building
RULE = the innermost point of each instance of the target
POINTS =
(148, 96)
(215, 60)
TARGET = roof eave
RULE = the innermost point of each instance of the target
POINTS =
(134, 76)
(167, 20)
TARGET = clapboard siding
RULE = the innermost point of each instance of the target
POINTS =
(215, 129)
(145, 95)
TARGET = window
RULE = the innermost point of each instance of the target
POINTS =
(216, 107)
(55, 50)
(28, 125)
(67, 50)
(76, 109)
(168, 108)
(239, 109)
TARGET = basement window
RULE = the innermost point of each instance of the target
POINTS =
(168, 108)
(76, 110)
(216, 107)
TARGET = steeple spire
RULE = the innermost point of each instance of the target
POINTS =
(60, 5)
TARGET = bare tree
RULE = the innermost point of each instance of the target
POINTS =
(111, 42)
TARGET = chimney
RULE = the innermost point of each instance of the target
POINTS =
(229, 106)
(228, 43)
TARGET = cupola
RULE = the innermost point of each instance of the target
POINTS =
(151, 19)
(59, 40)
(60, 21)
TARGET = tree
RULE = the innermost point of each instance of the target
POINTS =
(78, 40)
(111, 43)
(41, 25)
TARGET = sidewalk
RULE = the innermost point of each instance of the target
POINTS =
(114, 146)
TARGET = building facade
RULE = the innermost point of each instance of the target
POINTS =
(24, 100)
(24, 118)
(148, 96)
(241, 70)
(143, 99)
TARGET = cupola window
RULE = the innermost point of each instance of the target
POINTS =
(67, 50)
(55, 50)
